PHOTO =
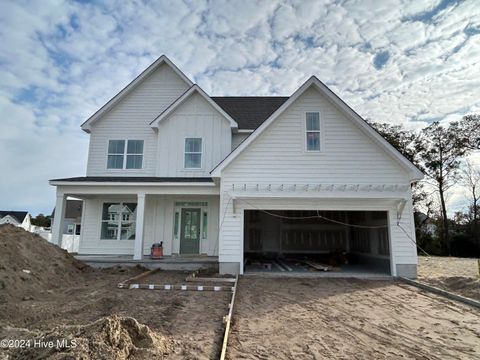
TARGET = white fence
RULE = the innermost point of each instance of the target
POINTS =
(69, 242)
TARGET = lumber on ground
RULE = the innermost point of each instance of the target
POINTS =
(317, 266)
(180, 287)
(125, 284)
(207, 279)
(228, 320)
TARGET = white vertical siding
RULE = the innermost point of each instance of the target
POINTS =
(130, 119)
(194, 118)
(402, 236)
(159, 223)
(90, 242)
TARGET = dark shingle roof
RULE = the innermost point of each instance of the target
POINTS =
(18, 215)
(249, 111)
(136, 179)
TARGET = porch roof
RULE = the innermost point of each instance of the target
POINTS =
(135, 179)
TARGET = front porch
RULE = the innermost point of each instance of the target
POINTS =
(173, 262)
(122, 219)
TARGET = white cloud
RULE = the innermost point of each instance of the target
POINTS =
(60, 61)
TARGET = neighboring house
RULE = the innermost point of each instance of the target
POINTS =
(235, 177)
(18, 218)
(73, 217)
(70, 226)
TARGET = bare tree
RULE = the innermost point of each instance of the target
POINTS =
(470, 177)
(441, 149)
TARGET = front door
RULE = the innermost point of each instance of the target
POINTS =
(190, 231)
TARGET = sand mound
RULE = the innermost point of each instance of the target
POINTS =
(465, 286)
(29, 263)
(111, 337)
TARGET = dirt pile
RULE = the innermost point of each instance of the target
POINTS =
(468, 287)
(457, 275)
(29, 264)
(110, 337)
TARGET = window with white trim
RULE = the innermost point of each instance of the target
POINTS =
(312, 131)
(118, 221)
(125, 154)
(193, 153)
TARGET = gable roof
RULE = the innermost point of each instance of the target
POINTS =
(414, 172)
(17, 215)
(86, 126)
(249, 111)
(193, 89)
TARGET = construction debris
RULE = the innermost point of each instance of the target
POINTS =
(181, 287)
(207, 279)
(112, 337)
(126, 283)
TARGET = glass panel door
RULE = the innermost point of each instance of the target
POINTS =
(190, 231)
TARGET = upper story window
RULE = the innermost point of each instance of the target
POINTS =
(125, 154)
(193, 153)
(312, 128)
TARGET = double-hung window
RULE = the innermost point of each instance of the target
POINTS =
(125, 154)
(118, 221)
(193, 153)
(312, 127)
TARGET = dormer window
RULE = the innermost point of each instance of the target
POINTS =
(125, 154)
(193, 153)
(312, 131)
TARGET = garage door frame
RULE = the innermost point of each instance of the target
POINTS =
(388, 207)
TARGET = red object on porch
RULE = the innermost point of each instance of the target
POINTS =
(156, 251)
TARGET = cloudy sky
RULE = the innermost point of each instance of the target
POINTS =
(407, 62)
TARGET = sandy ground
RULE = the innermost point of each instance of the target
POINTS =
(46, 294)
(458, 275)
(192, 319)
(349, 319)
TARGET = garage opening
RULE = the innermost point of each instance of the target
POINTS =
(316, 241)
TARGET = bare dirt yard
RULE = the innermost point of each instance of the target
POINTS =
(60, 298)
(288, 318)
(47, 295)
(458, 275)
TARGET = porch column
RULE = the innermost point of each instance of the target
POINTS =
(57, 228)
(140, 223)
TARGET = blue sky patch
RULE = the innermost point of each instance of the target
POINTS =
(428, 15)
(381, 59)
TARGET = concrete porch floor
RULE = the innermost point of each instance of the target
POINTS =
(175, 262)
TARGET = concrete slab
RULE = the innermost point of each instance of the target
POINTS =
(189, 263)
